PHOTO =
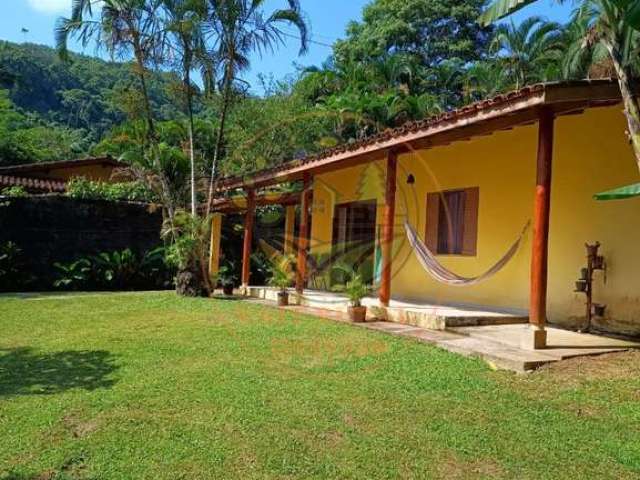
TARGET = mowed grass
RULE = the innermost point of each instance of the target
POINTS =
(132, 386)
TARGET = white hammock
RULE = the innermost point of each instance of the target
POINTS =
(428, 260)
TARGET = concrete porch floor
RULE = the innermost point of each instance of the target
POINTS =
(495, 337)
(433, 317)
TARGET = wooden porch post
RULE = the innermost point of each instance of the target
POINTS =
(214, 248)
(248, 239)
(289, 229)
(537, 338)
(303, 240)
(388, 223)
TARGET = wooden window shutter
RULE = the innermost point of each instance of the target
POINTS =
(470, 238)
(433, 213)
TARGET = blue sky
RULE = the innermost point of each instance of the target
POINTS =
(328, 20)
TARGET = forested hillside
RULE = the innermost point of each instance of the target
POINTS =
(86, 92)
(51, 110)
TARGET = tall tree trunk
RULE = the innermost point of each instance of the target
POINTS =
(187, 85)
(151, 139)
(226, 94)
(629, 98)
(203, 282)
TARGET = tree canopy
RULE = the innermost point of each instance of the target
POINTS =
(432, 31)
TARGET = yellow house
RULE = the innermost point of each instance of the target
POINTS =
(468, 182)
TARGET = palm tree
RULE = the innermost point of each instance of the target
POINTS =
(608, 30)
(613, 25)
(484, 79)
(527, 50)
(238, 28)
(125, 28)
(184, 22)
(500, 9)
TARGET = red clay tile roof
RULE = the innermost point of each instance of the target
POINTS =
(563, 97)
(32, 183)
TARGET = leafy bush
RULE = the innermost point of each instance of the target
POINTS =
(355, 287)
(226, 276)
(16, 191)
(73, 276)
(12, 276)
(117, 270)
(83, 189)
(188, 251)
(282, 274)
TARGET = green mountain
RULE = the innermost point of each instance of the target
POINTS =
(87, 93)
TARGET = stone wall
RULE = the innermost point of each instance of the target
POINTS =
(55, 228)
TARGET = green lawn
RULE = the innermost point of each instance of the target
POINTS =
(129, 386)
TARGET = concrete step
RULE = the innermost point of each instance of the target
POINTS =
(447, 317)
(498, 354)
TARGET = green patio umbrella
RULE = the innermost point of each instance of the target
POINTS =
(621, 193)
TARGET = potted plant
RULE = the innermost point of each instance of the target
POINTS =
(282, 276)
(227, 279)
(356, 290)
(354, 287)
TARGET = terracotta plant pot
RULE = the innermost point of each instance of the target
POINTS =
(283, 299)
(581, 286)
(598, 310)
(227, 289)
(357, 314)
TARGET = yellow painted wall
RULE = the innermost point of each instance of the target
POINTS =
(591, 154)
(365, 182)
(90, 172)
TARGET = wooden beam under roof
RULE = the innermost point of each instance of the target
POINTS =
(239, 203)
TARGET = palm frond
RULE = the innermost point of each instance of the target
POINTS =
(500, 9)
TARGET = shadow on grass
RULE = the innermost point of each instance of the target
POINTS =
(72, 469)
(26, 372)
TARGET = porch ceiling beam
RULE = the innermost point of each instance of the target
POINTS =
(239, 203)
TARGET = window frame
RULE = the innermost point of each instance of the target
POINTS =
(469, 222)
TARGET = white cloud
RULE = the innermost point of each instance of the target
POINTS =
(51, 6)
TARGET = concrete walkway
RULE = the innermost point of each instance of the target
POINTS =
(499, 345)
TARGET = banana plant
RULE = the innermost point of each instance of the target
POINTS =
(74, 275)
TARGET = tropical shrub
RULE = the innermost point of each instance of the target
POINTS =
(281, 270)
(16, 191)
(188, 239)
(73, 276)
(354, 287)
(116, 271)
(12, 276)
(226, 276)
(83, 189)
